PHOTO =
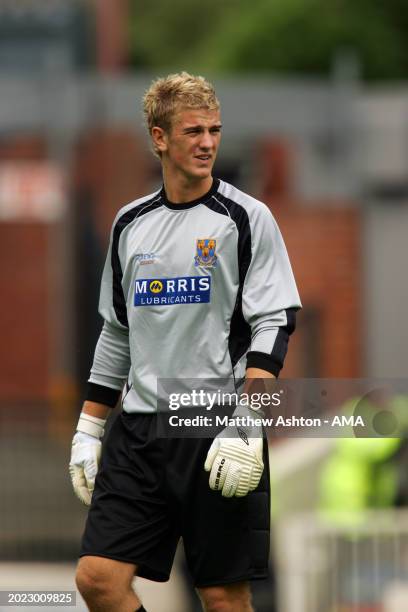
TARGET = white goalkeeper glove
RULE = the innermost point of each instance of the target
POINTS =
(234, 459)
(85, 456)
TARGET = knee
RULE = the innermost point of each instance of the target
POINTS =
(233, 598)
(92, 583)
(217, 601)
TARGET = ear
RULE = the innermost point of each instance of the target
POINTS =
(159, 138)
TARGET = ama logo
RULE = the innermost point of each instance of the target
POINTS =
(170, 291)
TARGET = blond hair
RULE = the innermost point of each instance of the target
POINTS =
(168, 95)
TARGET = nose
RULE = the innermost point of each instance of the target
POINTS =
(206, 140)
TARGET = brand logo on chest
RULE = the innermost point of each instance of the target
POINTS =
(170, 291)
(145, 258)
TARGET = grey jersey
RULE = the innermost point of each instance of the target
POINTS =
(197, 290)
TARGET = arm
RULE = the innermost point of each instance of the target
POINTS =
(269, 302)
(256, 373)
(270, 298)
(100, 411)
(109, 370)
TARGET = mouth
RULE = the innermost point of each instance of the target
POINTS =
(203, 157)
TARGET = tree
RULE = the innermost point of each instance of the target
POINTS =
(165, 33)
(271, 36)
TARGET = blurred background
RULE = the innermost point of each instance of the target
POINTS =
(315, 124)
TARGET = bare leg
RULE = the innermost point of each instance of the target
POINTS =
(106, 584)
(226, 598)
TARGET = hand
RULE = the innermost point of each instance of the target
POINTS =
(83, 467)
(85, 456)
(234, 459)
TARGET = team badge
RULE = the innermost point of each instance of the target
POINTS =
(206, 253)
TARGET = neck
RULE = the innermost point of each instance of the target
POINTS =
(185, 190)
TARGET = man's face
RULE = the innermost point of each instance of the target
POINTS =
(191, 144)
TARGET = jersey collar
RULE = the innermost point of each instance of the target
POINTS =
(185, 205)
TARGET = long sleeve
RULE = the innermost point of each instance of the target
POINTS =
(270, 298)
(111, 361)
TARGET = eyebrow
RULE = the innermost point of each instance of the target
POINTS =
(199, 127)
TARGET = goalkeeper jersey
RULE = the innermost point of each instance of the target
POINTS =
(199, 290)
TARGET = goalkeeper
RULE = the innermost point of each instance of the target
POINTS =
(197, 284)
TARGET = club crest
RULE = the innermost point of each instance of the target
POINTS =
(206, 256)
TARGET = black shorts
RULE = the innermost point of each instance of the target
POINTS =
(151, 491)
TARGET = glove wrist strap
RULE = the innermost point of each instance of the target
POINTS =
(91, 425)
(246, 419)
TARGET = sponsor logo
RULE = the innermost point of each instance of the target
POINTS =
(219, 472)
(156, 286)
(243, 435)
(169, 291)
(206, 257)
(145, 258)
